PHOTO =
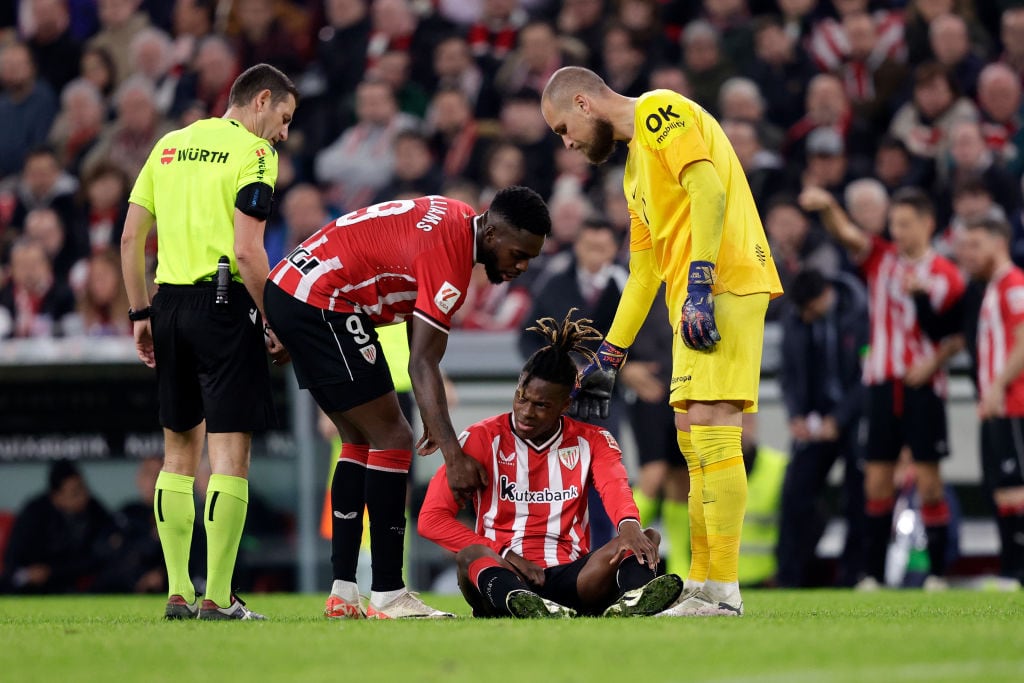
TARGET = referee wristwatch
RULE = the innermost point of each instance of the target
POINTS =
(141, 314)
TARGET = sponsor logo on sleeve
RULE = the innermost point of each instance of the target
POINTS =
(168, 155)
(569, 457)
(663, 120)
(612, 443)
(261, 163)
(447, 296)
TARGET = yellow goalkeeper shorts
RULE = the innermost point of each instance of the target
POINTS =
(731, 371)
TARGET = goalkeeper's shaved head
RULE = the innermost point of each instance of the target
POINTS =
(574, 106)
(570, 81)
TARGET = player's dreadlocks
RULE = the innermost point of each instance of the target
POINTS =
(553, 362)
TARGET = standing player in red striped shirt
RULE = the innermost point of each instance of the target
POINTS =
(377, 266)
(904, 370)
(986, 256)
(528, 554)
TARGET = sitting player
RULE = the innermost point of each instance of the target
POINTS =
(529, 554)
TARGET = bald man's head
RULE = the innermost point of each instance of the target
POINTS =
(567, 108)
(570, 81)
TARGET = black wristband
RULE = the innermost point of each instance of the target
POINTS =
(141, 314)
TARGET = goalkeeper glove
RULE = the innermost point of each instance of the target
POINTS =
(594, 387)
(698, 322)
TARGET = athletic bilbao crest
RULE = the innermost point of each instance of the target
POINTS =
(369, 353)
(569, 456)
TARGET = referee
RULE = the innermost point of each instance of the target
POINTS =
(209, 185)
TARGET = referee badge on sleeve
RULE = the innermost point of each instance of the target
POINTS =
(369, 353)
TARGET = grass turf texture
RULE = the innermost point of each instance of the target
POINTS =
(785, 637)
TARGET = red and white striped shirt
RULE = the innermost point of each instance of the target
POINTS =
(897, 342)
(536, 500)
(1002, 311)
(387, 261)
(829, 45)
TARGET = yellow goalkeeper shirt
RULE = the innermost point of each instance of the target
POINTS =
(671, 133)
(190, 182)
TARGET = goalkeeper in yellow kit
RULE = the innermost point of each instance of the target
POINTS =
(695, 227)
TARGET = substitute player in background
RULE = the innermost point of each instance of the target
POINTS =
(985, 255)
(529, 554)
(379, 265)
(904, 370)
(693, 225)
(210, 187)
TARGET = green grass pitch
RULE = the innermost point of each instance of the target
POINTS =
(785, 637)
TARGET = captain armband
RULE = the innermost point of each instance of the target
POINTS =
(255, 200)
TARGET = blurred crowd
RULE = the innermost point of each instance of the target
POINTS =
(409, 97)
(857, 99)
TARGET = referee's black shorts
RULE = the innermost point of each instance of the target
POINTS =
(899, 416)
(654, 428)
(211, 360)
(336, 355)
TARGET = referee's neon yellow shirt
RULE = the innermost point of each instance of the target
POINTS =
(190, 182)
(394, 341)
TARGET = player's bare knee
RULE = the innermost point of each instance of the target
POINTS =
(394, 435)
(653, 536)
(677, 484)
(470, 554)
(1010, 496)
(878, 481)
(929, 483)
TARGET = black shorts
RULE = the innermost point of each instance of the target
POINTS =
(1002, 452)
(559, 586)
(654, 428)
(211, 361)
(337, 356)
(899, 416)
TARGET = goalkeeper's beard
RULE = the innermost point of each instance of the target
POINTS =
(602, 145)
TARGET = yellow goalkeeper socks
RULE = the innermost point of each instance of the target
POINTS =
(647, 506)
(175, 512)
(675, 518)
(699, 557)
(725, 497)
(227, 499)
